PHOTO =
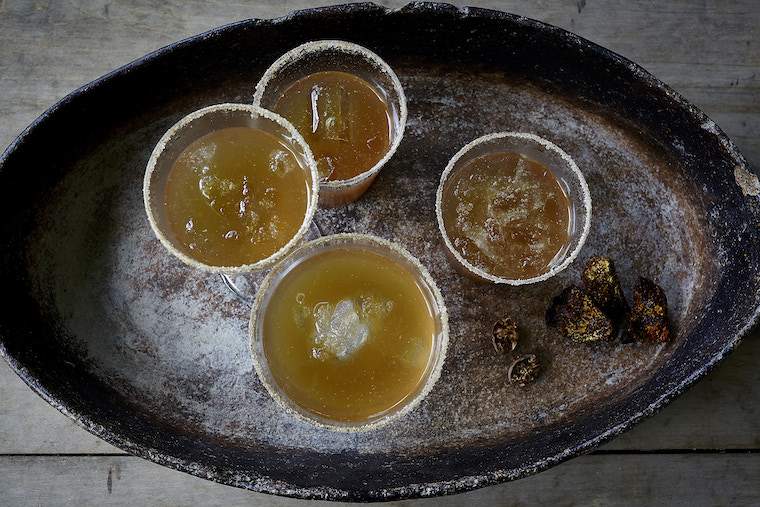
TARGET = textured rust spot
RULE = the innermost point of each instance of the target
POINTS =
(747, 181)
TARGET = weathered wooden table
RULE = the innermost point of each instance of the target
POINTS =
(703, 449)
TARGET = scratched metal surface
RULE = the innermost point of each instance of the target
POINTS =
(172, 337)
(170, 344)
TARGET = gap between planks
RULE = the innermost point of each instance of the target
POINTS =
(599, 452)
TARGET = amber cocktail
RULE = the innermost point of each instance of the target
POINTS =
(231, 188)
(513, 208)
(348, 105)
(349, 331)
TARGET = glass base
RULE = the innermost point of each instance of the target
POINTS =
(245, 285)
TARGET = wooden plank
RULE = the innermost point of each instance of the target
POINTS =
(48, 48)
(693, 480)
(28, 425)
(707, 51)
(722, 411)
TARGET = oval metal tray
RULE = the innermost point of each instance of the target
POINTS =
(153, 356)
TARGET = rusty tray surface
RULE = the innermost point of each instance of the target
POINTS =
(153, 356)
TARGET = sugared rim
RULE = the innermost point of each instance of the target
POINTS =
(547, 145)
(354, 49)
(310, 208)
(337, 241)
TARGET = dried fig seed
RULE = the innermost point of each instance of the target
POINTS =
(524, 370)
(504, 335)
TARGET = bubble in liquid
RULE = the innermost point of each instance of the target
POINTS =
(463, 211)
(537, 246)
(205, 185)
(301, 315)
(416, 355)
(281, 162)
(213, 187)
(252, 220)
(374, 307)
(201, 158)
(493, 230)
(268, 201)
(274, 226)
(325, 167)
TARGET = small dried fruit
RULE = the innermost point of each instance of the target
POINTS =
(603, 286)
(504, 335)
(576, 316)
(649, 317)
(524, 370)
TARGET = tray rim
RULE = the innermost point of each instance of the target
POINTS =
(264, 484)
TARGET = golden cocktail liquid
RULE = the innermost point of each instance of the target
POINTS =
(343, 120)
(507, 215)
(348, 334)
(235, 196)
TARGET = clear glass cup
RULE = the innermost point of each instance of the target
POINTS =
(198, 124)
(564, 169)
(334, 55)
(355, 242)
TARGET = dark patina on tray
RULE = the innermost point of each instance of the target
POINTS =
(153, 356)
